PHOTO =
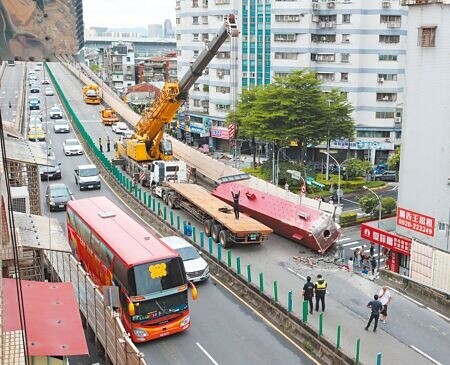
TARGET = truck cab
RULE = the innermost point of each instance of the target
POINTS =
(87, 177)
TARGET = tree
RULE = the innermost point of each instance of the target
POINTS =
(293, 108)
(394, 161)
(389, 204)
(355, 167)
(368, 203)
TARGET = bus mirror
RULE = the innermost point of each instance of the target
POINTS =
(131, 309)
(194, 292)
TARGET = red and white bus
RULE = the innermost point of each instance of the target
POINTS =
(117, 250)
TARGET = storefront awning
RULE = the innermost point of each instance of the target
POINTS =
(390, 240)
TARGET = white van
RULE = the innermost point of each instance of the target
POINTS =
(196, 267)
(87, 177)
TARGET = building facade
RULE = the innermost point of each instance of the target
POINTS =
(356, 46)
(119, 65)
(424, 194)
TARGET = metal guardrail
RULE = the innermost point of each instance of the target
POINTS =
(105, 323)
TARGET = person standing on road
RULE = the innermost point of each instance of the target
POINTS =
(385, 298)
(371, 249)
(100, 144)
(308, 293)
(373, 264)
(376, 307)
(320, 289)
(108, 144)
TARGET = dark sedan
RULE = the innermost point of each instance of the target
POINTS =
(57, 196)
(52, 172)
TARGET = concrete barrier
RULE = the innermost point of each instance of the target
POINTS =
(434, 298)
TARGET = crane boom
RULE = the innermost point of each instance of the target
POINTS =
(147, 143)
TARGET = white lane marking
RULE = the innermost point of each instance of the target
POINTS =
(207, 354)
(425, 355)
(344, 239)
(266, 320)
(409, 298)
(439, 314)
(296, 273)
(349, 243)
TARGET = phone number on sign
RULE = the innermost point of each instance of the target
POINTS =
(415, 226)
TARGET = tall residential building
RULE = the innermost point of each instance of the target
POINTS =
(168, 29)
(119, 65)
(357, 46)
(424, 193)
(155, 30)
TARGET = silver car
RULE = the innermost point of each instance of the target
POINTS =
(72, 147)
(61, 126)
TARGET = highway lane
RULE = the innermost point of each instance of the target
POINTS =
(276, 259)
(219, 321)
(9, 92)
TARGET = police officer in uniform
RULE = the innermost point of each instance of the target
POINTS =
(320, 289)
(308, 293)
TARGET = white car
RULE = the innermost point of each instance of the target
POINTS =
(61, 126)
(48, 91)
(119, 128)
(55, 113)
(72, 147)
(196, 267)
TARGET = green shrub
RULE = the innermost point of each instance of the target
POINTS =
(348, 217)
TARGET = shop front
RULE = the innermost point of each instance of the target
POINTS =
(396, 248)
(193, 130)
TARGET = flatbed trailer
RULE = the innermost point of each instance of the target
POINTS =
(216, 216)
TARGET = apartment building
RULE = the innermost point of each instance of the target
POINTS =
(119, 65)
(357, 46)
(424, 194)
(157, 68)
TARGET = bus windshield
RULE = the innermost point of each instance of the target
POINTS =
(160, 307)
(157, 276)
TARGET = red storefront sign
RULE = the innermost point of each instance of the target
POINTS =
(220, 132)
(415, 221)
(386, 239)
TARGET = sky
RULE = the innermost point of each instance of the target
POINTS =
(127, 13)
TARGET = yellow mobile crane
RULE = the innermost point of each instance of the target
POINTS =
(147, 142)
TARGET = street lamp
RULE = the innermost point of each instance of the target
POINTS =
(277, 171)
(328, 145)
(339, 176)
(379, 219)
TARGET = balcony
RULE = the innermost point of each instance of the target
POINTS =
(423, 2)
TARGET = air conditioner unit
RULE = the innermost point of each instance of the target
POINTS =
(220, 74)
(346, 40)
(380, 80)
(386, 4)
(331, 5)
(20, 199)
(387, 140)
(386, 98)
(322, 25)
(398, 119)
(315, 6)
(315, 18)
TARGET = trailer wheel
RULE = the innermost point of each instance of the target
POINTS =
(223, 238)
(216, 229)
(208, 227)
(164, 197)
(171, 201)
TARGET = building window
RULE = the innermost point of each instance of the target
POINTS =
(204, 20)
(346, 18)
(387, 77)
(195, 3)
(281, 74)
(427, 36)
(383, 38)
(325, 76)
(196, 53)
(223, 89)
(287, 18)
(442, 226)
(286, 55)
(323, 38)
(387, 57)
(345, 38)
(205, 37)
(323, 57)
(344, 76)
(177, 21)
(195, 20)
(345, 57)
(386, 97)
(285, 37)
(223, 55)
(196, 102)
(128, 59)
(384, 115)
(195, 37)
(178, 37)
(196, 87)
(392, 21)
(373, 134)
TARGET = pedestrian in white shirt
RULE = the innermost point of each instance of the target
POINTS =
(385, 298)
